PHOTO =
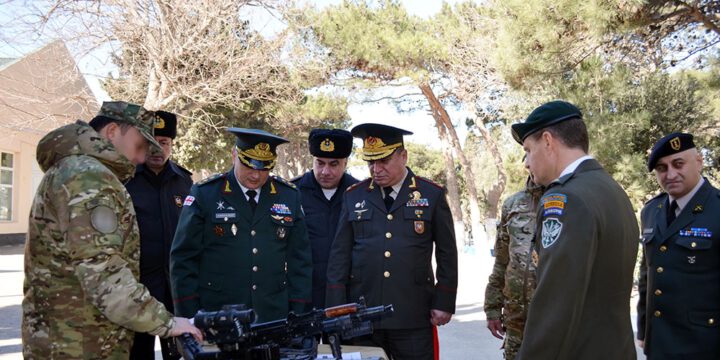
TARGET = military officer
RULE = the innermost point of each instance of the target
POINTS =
(679, 304)
(389, 226)
(512, 281)
(586, 242)
(157, 190)
(242, 239)
(322, 190)
(82, 297)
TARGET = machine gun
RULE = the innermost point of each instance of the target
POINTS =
(232, 330)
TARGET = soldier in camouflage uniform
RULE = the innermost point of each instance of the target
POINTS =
(512, 281)
(82, 297)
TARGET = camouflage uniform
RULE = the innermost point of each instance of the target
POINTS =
(512, 281)
(82, 297)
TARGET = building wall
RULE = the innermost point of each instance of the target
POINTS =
(25, 179)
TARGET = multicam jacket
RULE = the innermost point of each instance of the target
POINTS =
(82, 297)
(513, 279)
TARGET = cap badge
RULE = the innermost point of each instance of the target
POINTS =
(372, 142)
(675, 143)
(261, 152)
(159, 123)
(327, 146)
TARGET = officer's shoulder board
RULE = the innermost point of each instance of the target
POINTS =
(656, 197)
(426, 180)
(282, 181)
(210, 179)
(297, 179)
(357, 185)
(184, 170)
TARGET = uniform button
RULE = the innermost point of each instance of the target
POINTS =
(388, 235)
(693, 244)
(252, 233)
(389, 217)
(255, 250)
(663, 248)
(658, 292)
(711, 321)
(387, 274)
(657, 313)
(255, 268)
(254, 287)
(387, 254)
(660, 269)
(209, 283)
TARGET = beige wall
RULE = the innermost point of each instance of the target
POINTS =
(25, 180)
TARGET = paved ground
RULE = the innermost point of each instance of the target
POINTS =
(466, 337)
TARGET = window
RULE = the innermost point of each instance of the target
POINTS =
(6, 186)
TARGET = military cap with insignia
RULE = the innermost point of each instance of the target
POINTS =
(379, 141)
(256, 148)
(132, 114)
(668, 145)
(547, 114)
(165, 124)
(330, 143)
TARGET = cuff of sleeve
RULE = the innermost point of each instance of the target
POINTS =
(492, 314)
(163, 330)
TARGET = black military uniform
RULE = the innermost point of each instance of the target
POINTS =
(385, 255)
(679, 304)
(157, 199)
(321, 213)
(587, 249)
(225, 252)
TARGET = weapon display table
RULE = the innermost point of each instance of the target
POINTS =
(366, 352)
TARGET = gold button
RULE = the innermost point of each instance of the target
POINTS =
(254, 287)
(388, 235)
(658, 292)
(657, 313)
(660, 269)
(693, 244)
(711, 321)
(255, 250)
(387, 254)
(387, 274)
(389, 217)
(252, 233)
(255, 268)
(663, 248)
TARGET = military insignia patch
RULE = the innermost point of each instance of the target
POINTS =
(697, 209)
(691, 259)
(104, 219)
(551, 229)
(327, 146)
(415, 195)
(233, 228)
(281, 232)
(178, 200)
(696, 232)
(419, 227)
(189, 200)
(220, 205)
(418, 203)
(675, 143)
(418, 213)
(280, 209)
(553, 204)
(225, 216)
(219, 231)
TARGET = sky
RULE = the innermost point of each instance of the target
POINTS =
(97, 65)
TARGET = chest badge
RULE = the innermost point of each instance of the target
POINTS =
(419, 227)
(691, 259)
(551, 229)
(281, 232)
(219, 231)
(233, 228)
(178, 200)
(221, 205)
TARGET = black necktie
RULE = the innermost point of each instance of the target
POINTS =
(388, 199)
(251, 199)
(670, 216)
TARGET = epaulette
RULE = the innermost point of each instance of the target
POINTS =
(188, 172)
(430, 182)
(656, 197)
(356, 185)
(284, 182)
(210, 179)
(297, 178)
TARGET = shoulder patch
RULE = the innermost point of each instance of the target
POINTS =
(430, 182)
(356, 185)
(284, 182)
(211, 178)
(659, 196)
(553, 204)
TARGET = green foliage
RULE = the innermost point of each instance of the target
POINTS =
(427, 162)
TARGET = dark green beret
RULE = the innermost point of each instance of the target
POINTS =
(543, 116)
(668, 145)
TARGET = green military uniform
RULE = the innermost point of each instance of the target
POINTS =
(82, 297)
(587, 246)
(679, 302)
(226, 253)
(512, 281)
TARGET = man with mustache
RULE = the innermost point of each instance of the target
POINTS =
(679, 304)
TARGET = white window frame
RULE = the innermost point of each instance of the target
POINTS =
(9, 186)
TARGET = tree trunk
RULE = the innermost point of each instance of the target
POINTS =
(492, 197)
(453, 189)
(442, 119)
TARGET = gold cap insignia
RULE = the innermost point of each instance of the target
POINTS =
(159, 123)
(261, 152)
(375, 149)
(675, 143)
(327, 146)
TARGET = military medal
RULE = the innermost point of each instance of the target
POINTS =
(691, 259)
(281, 232)
(219, 231)
(178, 200)
(221, 205)
(233, 228)
(419, 227)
